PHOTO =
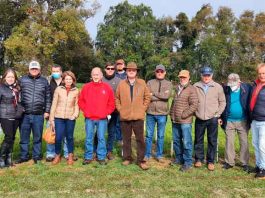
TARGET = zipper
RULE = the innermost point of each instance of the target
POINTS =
(34, 82)
(66, 103)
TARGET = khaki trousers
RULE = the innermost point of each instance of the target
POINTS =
(239, 127)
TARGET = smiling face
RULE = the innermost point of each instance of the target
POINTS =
(96, 74)
(10, 78)
(68, 81)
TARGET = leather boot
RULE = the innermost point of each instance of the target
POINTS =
(8, 157)
(70, 159)
(56, 160)
(2, 155)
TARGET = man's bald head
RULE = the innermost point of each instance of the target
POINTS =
(96, 74)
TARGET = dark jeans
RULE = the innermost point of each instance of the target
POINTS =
(9, 127)
(212, 133)
(118, 134)
(127, 127)
(64, 128)
(34, 123)
(111, 131)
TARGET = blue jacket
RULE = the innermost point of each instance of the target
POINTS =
(245, 95)
(258, 112)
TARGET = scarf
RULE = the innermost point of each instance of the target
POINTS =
(255, 94)
(15, 93)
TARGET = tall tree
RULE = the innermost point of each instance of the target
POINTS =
(127, 32)
(53, 29)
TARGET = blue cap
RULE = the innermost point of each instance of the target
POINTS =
(206, 71)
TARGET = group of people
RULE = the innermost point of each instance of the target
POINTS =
(119, 102)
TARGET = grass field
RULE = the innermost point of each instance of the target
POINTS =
(115, 180)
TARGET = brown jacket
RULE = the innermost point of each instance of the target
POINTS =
(211, 104)
(64, 106)
(184, 105)
(132, 109)
(161, 91)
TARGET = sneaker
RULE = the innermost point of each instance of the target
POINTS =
(86, 161)
(20, 160)
(143, 166)
(185, 168)
(246, 168)
(110, 156)
(260, 174)
(102, 162)
(227, 166)
(49, 159)
(198, 164)
(210, 167)
(126, 162)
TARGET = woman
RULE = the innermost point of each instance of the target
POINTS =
(9, 101)
(64, 112)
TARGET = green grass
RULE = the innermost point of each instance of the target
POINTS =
(115, 180)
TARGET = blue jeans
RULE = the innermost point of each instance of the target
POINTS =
(118, 134)
(182, 143)
(64, 128)
(151, 121)
(50, 148)
(111, 131)
(258, 141)
(34, 123)
(101, 127)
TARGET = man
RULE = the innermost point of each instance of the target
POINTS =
(257, 109)
(120, 66)
(113, 81)
(235, 118)
(132, 100)
(97, 103)
(184, 105)
(211, 105)
(36, 99)
(157, 112)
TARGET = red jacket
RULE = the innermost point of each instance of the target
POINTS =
(96, 100)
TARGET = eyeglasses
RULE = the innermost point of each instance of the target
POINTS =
(160, 71)
(182, 77)
(110, 68)
(131, 70)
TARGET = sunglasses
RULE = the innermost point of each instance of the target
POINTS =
(110, 68)
(160, 71)
(131, 70)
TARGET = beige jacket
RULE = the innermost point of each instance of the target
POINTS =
(161, 91)
(132, 109)
(64, 106)
(211, 104)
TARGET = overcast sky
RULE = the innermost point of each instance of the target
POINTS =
(173, 7)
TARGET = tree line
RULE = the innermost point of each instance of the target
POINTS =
(54, 32)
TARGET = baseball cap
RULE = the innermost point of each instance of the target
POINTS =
(233, 79)
(34, 65)
(160, 67)
(184, 73)
(206, 70)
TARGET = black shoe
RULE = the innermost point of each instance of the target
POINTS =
(20, 160)
(246, 168)
(227, 166)
(260, 174)
(185, 168)
(49, 159)
(102, 162)
(86, 162)
(9, 160)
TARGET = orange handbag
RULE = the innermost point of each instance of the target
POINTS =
(49, 136)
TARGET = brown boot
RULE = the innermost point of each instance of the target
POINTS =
(56, 160)
(70, 159)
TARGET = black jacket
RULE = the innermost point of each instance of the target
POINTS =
(245, 95)
(35, 94)
(7, 108)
